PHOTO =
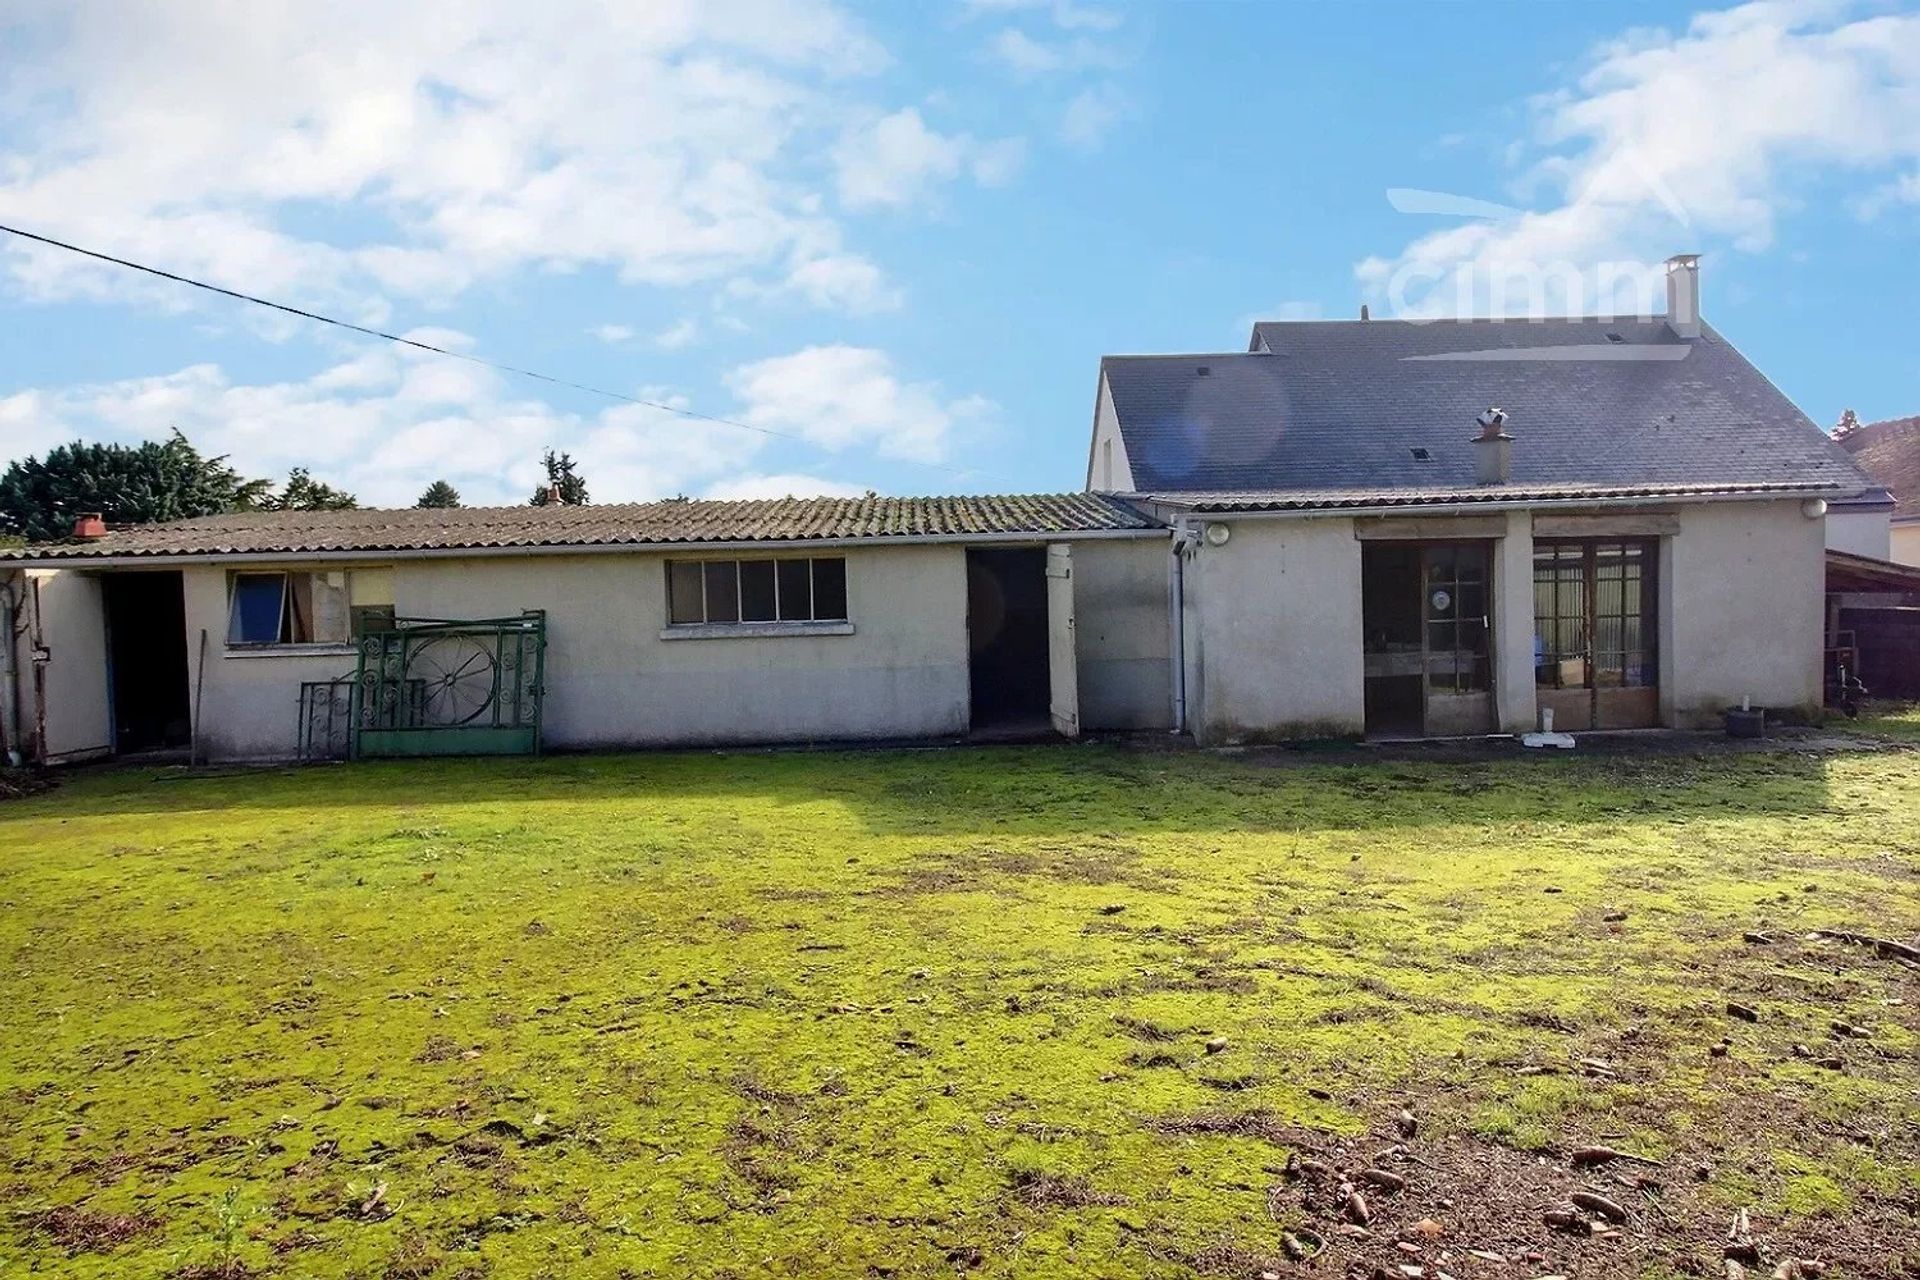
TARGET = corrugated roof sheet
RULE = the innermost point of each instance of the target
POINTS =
(1334, 499)
(667, 523)
(1889, 452)
(1324, 406)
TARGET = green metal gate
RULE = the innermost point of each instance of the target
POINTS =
(432, 687)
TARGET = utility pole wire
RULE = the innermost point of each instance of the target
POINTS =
(439, 351)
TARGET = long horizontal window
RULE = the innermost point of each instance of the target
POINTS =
(328, 607)
(748, 591)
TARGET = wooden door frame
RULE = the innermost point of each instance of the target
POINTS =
(1589, 629)
(1485, 548)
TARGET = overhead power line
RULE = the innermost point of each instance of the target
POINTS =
(518, 371)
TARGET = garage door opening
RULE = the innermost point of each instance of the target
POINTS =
(147, 661)
(1007, 640)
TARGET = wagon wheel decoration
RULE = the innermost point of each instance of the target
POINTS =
(456, 679)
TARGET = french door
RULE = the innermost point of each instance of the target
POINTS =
(1595, 662)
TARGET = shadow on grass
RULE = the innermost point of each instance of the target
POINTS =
(1063, 789)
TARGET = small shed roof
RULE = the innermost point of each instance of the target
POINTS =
(675, 522)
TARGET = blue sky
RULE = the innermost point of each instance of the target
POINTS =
(900, 236)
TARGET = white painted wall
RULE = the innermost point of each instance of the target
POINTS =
(1742, 602)
(1277, 611)
(1120, 597)
(1904, 542)
(1108, 470)
(1860, 533)
(248, 700)
(612, 680)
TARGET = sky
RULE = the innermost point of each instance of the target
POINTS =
(892, 241)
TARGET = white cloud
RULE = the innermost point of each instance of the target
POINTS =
(784, 485)
(383, 423)
(842, 396)
(1092, 115)
(679, 334)
(673, 142)
(896, 159)
(1026, 56)
(1670, 143)
(1064, 14)
(1902, 190)
(846, 282)
(1023, 54)
(612, 334)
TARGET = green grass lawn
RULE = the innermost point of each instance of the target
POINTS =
(995, 1012)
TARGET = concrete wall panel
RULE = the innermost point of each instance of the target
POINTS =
(1278, 609)
(1743, 601)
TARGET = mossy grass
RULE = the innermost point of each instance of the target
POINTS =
(1021, 1011)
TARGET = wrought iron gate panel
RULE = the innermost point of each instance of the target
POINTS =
(435, 687)
(326, 719)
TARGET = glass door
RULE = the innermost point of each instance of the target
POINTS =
(1456, 607)
(1595, 662)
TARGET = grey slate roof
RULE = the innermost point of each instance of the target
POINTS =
(1325, 407)
(670, 523)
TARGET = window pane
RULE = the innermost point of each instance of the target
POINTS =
(830, 589)
(683, 592)
(756, 591)
(258, 602)
(723, 591)
(796, 593)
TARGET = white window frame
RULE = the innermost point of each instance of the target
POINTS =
(775, 626)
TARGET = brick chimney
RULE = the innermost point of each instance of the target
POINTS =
(1494, 447)
(1683, 295)
(89, 526)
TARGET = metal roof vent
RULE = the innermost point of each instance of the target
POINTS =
(1614, 337)
(1205, 370)
(1421, 455)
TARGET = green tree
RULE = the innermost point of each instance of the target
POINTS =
(439, 494)
(128, 484)
(303, 493)
(561, 477)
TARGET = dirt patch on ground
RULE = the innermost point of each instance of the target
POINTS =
(1395, 1206)
(78, 1230)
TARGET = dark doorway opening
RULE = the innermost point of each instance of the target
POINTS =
(1007, 639)
(1426, 619)
(1395, 686)
(147, 659)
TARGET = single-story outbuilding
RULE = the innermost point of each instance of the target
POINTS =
(678, 622)
(1381, 528)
